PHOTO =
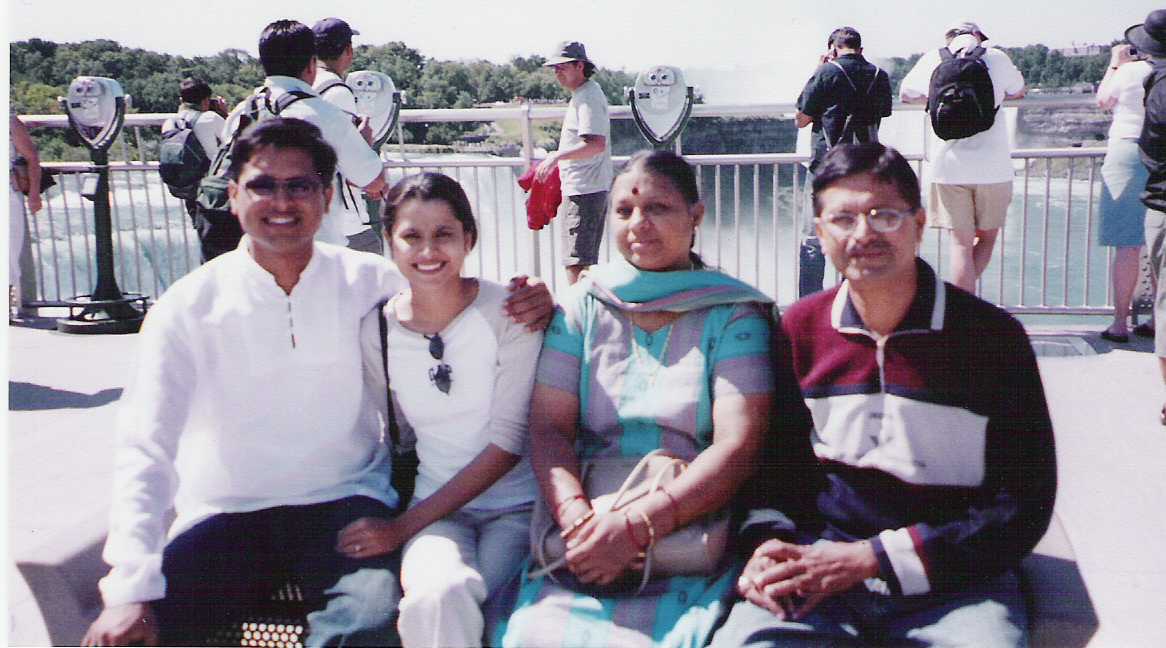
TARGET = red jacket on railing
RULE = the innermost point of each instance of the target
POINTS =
(544, 199)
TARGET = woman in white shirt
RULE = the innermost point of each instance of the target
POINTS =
(1123, 177)
(462, 374)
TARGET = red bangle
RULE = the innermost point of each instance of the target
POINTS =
(673, 507)
(560, 505)
(627, 520)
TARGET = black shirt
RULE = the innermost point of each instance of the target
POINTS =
(847, 87)
(1153, 139)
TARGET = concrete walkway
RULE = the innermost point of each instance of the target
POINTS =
(63, 390)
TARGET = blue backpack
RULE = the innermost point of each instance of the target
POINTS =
(182, 162)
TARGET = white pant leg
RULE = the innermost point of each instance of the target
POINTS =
(15, 235)
(503, 544)
(443, 588)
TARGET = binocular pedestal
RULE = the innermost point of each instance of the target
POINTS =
(107, 310)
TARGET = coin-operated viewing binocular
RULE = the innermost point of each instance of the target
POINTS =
(96, 107)
(378, 99)
(661, 103)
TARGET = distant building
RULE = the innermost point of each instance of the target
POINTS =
(1082, 50)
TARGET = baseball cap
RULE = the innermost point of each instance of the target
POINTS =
(567, 51)
(333, 30)
(965, 27)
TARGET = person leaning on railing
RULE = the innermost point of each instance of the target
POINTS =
(1123, 177)
(1150, 37)
(20, 144)
(650, 351)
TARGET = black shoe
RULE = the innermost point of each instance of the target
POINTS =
(1114, 337)
(1145, 329)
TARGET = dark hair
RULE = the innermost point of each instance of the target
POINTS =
(194, 91)
(286, 47)
(284, 133)
(588, 69)
(882, 162)
(678, 172)
(330, 47)
(845, 37)
(431, 186)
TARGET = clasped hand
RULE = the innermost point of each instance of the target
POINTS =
(780, 573)
(601, 549)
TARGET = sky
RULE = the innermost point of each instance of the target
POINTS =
(737, 51)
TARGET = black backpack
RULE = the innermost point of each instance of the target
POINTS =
(213, 203)
(182, 162)
(960, 97)
(859, 126)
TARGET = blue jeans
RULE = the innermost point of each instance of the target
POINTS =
(988, 614)
(230, 564)
(811, 260)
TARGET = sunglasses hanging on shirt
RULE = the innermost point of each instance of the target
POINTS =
(442, 375)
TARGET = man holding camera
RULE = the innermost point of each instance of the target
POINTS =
(204, 115)
(845, 100)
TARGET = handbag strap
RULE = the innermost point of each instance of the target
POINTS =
(394, 433)
(548, 569)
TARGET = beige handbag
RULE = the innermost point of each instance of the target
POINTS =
(612, 484)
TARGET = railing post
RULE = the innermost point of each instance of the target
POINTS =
(528, 157)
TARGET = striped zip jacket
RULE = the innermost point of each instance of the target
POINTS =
(935, 440)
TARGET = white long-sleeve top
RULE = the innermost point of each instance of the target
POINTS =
(245, 398)
(355, 161)
(493, 361)
(1124, 88)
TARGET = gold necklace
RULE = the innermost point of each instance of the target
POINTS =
(639, 352)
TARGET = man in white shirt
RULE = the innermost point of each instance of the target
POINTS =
(287, 51)
(583, 158)
(334, 59)
(205, 114)
(970, 178)
(249, 416)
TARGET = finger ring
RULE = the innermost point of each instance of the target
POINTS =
(357, 547)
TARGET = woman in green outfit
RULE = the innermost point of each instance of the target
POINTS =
(652, 351)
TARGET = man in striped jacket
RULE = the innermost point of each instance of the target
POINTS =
(931, 434)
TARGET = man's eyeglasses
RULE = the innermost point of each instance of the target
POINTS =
(442, 375)
(882, 219)
(295, 188)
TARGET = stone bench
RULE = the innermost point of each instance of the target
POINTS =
(53, 599)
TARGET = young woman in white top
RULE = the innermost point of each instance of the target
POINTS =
(461, 373)
(1123, 177)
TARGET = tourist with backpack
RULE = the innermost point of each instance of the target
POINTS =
(845, 100)
(190, 140)
(969, 155)
(287, 51)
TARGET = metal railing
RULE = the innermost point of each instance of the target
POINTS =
(1045, 261)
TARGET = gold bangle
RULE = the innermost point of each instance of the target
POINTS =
(579, 521)
(651, 529)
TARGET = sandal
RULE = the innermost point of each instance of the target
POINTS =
(1145, 329)
(1114, 337)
